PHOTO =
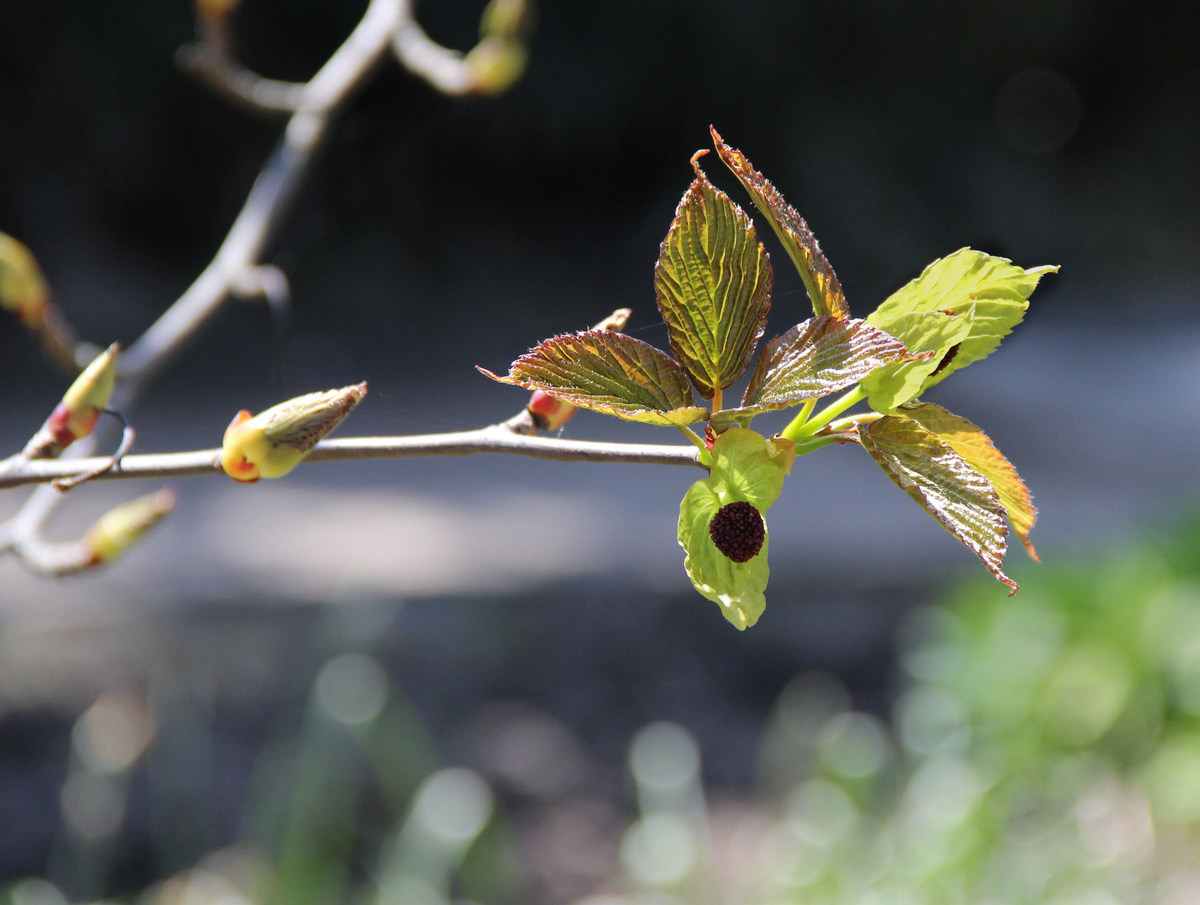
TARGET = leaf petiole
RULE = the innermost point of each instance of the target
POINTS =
(803, 428)
(698, 442)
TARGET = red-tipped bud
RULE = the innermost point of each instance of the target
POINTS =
(119, 528)
(273, 442)
(548, 413)
(23, 290)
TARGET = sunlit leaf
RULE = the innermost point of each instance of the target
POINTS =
(713, 282)
(946, 486)
(746, 468)
(936, 333)
(816, 357)
(993, 290)
(819, 279)
(608, 372)
(976, 447)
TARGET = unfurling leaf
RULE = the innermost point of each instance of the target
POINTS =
(937, 334)
(994, 291)
(822, 284)
(816, 357)
(726, 547)
(273, 442)
(976, 447)
(713, 283)
(946, 486)
(611, 373)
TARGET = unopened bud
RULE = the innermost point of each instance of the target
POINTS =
(23, 290)
(119, 528)
(273, 442)
(548, 413)
(505, 19)
(494, 65)
(77, 413)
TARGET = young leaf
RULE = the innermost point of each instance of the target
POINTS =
(713, 283)
(976, 447)
(946, 486)
(937, 334)
(817, 357)
(819, 279)
(994, 290)
(608, 372)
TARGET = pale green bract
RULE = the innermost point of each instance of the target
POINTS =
(745, 467)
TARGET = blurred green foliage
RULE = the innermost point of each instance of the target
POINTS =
(1042, 749)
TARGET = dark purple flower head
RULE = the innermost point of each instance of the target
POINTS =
(738, 531)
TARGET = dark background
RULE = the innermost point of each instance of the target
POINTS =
(437, 234)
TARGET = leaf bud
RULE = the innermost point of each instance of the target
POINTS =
(76, 415)
(494, 65)
(23, 290)
(548, 413)
(273, 442)
(121, 527)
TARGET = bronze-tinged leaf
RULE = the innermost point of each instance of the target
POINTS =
(608, 372)
(946, 486)
(819, 356)
(977, 448)
(713, 283)
(801, 245)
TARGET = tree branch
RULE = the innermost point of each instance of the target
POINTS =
(495, 438)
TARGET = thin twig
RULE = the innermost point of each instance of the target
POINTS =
(493, 439)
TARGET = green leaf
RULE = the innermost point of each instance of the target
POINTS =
(977, 448)
(993, 290)
(819, 279)
(817, 357)
(746, 467)
(713, 283)
(608, 372)
(945, 485)
(937, 334)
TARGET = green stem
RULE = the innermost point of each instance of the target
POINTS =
(698, 441)
(800, 429)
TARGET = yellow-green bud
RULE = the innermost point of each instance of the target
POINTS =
(505, 19)
(23, 290)
(119, 528)
(495, 64)
(273, 442)
(77, 413)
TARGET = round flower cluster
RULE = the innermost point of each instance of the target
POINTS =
(738, 531)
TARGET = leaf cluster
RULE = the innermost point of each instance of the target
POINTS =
(713, 283)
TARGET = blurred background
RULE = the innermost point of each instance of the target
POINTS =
(489, 678)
